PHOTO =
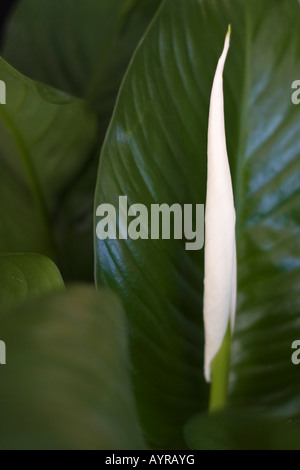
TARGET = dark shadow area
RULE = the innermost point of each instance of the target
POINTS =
(6, 6)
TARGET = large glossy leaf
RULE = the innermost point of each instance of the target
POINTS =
(65, 384)
(241, 430)
(25, 276)
(46, 141)
(155, 152)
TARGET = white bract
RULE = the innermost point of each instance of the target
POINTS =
(220, 246)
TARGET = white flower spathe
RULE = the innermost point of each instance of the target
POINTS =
(220, 246)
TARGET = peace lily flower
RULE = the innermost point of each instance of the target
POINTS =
(220, 246)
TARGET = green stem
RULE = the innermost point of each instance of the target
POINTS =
(220, 373)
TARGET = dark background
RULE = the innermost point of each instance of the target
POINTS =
(5, 9)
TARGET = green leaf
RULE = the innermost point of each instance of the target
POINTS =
(65, 384)
(268, 197)
(24, 276)
(155, 152)
(83, 50)
(47, 139)
(241, 430)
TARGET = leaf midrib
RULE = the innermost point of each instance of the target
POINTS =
(242, 134)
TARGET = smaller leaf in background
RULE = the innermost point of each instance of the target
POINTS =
(66, 383)
(81, 49)
(47, 139)
(220, 247)
(24, 276)
(241, 429)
